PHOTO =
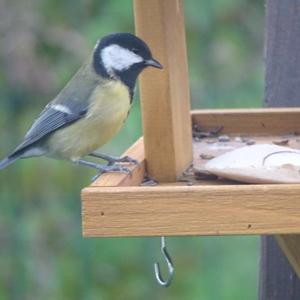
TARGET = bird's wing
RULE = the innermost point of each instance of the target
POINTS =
(70, 105)
(52, 118)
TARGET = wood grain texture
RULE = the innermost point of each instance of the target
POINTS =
(250, 121)
(136, 151)
(191, 210)
(165, 93)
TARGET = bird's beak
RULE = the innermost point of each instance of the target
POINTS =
(153, 63)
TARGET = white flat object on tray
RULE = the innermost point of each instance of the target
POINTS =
(265, 163)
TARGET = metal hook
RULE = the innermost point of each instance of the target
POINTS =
(168, 259)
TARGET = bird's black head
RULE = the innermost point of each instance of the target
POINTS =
(122, 56)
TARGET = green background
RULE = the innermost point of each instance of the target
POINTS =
(42, 253)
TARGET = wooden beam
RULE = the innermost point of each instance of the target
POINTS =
(191, 210)
(249, 121)
(165, 94)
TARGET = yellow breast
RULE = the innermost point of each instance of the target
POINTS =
(109, 107)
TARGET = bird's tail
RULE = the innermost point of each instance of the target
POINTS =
(7, 161)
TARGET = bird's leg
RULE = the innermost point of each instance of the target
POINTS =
(102, 168)
(112, 159)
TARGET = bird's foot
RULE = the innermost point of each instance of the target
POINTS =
(123, 159)
(112, 159)
(102, 169)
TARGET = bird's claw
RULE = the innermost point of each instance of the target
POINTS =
(112, 159)
(124, 159)
(128, 159)
(110, 169)
(117, 168)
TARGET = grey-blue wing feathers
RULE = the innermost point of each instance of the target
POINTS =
(7, 161)
(49, 121)
(70, 105)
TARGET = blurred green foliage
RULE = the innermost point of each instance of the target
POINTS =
(42, 254)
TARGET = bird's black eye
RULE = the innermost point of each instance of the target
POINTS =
(135, 51)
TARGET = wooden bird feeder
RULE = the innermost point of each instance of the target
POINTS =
(118, 205)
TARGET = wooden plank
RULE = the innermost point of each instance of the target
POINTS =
(290, 244)
(250, 121)
(136, 151)
(165, 94)
(191, 210)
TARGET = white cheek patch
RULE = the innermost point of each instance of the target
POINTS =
(115, 57)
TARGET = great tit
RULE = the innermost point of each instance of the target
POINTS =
(92, 107)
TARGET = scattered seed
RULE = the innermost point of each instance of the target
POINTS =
(250, 142)
(204, 175)
(206, 156)
(281, 142)
(223, 138)
(217, 129)
(148, 181)
(204, 134)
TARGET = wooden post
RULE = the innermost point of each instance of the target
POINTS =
(165, 94)
(278, 280)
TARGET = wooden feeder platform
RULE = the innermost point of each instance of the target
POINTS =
(124, 205)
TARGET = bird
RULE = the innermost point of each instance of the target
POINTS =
(91, 108)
